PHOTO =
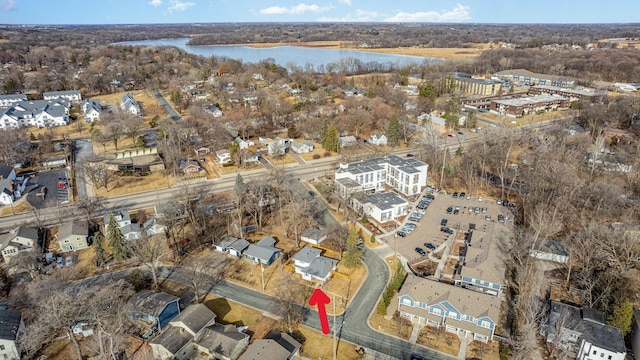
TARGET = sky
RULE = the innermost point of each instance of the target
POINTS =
(225, 11)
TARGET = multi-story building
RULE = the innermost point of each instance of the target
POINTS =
(407, 176)
(466, 313)
(73, 96)
(481, 267)
(467, 84)
(10, 99)
(526, 77)
(516, 107)
(40, 113)
(383, 208)
(585, 94)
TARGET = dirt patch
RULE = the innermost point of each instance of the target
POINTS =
(439, 339)
(480, 350)
(19, 206)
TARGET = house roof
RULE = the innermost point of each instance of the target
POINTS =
(130, 228)
(374, 164)
(465, 301)
(21, 231)
(221, 339)
(530, 100)
(264, 253)
(299, 144)
(314, 234)
(588, 322)
(5, 171)
(173, 339)
(9, 324)
(484, 260)
(286, 341)
(554, 247)
(230, 242)
(189, 163)
(307, 254)
(13, 97)
(73, 228)
(150, 303)
(60, 93)
(271, 349)
(527, 73)
(150, 224)
(321, 266)
(195, 317)
(266, 241)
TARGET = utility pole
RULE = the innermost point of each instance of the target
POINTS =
(444, 158)
(262, 272)
(335, 348)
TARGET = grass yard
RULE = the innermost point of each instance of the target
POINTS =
(479, 350)
(224, 170)
(320, 346)
(317, 151)
(229, 312)
(283, 160)
(439, 339)
(20, 206)
(145, 99)
(123, 185)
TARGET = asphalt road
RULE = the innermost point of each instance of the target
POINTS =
(172, 112)
(84, 151)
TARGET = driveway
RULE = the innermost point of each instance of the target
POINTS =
(49, 180)
(172, 112)
(84, 151)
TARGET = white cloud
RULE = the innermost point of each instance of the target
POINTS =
(458, 13)
(8, 5)
(346, 2)
(177, 5)
(155, 2)
(360, 16)
(295, 10)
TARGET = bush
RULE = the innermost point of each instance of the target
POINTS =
(327, 154)
(365, 219)
(381, 308)
(373, 238)
(138, 279)
(316, 156)
(228, 164)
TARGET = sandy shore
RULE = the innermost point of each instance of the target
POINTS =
(445, 53)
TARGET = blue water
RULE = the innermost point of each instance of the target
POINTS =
(289, 56)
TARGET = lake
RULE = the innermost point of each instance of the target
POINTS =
(307, 58)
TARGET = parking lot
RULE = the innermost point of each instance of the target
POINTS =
(54, 195)
(428, 229)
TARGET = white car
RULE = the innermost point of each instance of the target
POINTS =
(479, 198)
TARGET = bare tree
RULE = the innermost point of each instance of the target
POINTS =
(98, 173)
(91, 207)
(150, 251)
(288, 301)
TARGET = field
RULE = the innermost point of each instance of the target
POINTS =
(123, 185)
(145, 99)
(446, 53)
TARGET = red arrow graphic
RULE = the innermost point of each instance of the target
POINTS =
(321, 299)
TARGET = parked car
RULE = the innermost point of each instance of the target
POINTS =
(430, 246)
(484, 209)
(468, 196)
(407, 230)
(501, 218)
(477, 209)
(429, 197)
(422, 206)
(401, 233)
(447, 230)
(444, 222)
(410, 225)
(470, 209)
(488, 217)
(479, 198)
(449, 210)
(457, 207)
(421, 251)
(455, 195)
(456, 211)
(409, 155)
(499, 202)
(463, 195)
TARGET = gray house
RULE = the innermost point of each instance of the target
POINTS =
(156, 309)
(176, 340)
(263, 252)
(273, 347)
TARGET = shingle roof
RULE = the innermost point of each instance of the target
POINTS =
(195, 317)
(5, 170)
(74, 227)
(307, 254)
(60, 93)
(150, 303)
(9, 324)
(221, 339)
(314, 234)
(173, 339)
(271, 348)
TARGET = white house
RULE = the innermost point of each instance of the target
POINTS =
(40, 113)
(11, 326)
(10, 99)
(309, 263)
(301, 147)
(552, 250)
(20, 239)
(408, 176)
(383, 207)
(231, 245)
(313, 236)
(128, 103)
(378, 139)
(224, 156)
(244, 144)
(72, 95)
(92, 110)
(277, 146)
(153, 227)
(348, 140)
(7, 192)
(129, 230)
(582, 333)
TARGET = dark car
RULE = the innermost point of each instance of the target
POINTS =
(429, 197)
(409, 155)
(456, 211)
(463, 195)
(417, 357)
(455, 195)
(422, 206)
(447, 230)
(449, 210)
(430, 246)
(460, 133)
(421, 251)
(444, 222)
(401, 233)
(501, 218)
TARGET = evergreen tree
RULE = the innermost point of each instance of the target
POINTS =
(622, 316)
(353, 255)
(98, 247)
(332, 142)
(239, 185)
(140, 142)
(116, 240)
(393, 131)
(325, 131)
(234, 152)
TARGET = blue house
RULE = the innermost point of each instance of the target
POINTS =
(155, 309)
(466, 313)
(263, 252)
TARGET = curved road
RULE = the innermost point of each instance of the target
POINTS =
(353, 326)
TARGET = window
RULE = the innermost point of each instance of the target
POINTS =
(594, 352)
(1, 347)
